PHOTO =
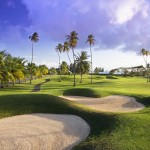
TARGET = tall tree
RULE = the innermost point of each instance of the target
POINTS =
(83, 65)
(72, 39)
(145, 54)
(34, 38)
(59, 49)
(66, 49)
(91, 42)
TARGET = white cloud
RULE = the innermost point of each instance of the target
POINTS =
(112, 22)
(124, 11)
(47, 63)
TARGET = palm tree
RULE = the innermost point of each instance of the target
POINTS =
(3, 56)
(66, 49)
(43, 69)
(18, 69)
(83, 65)
(2, 66)
(72, 39)
(34, 38)
(6, 66)
(145, 54)
(59, 49)
(91, 41)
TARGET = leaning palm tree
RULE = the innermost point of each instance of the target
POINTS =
(145, 54)
(59, 49)
(66, 49)
(91, 41)
(34, 38)
(72, 39)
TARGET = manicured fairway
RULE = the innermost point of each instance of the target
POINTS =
(109, 131)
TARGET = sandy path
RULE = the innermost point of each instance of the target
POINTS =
(113, 103)
(42, 132)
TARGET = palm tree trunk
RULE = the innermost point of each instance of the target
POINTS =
(69, 57)
(91, 63)
(2, 86)
(145, 59)
(31, 64)
(80, 72)
(74, 70)
(59, 68)
(81, 78)
(7, 83)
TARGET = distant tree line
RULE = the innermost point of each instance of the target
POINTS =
(137, 70)
(129, 71)
(98, 70)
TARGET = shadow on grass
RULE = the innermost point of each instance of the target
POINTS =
(84, 92)
(145, 101)
(111, 77)
(101, 123)
(37, 87)
(98, 84)
(11, 105)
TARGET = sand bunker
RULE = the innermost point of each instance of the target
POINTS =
(113, 103)
(42, 132)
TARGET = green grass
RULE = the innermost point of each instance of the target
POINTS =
(109, 131)
(111, 77)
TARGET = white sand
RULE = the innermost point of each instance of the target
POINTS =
(42, 132)
(113, 103)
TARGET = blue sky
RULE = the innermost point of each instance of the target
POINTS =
(121, 29)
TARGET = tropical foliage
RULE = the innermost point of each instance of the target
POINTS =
(15, 69)
(83, 65)
(64, 68)
(66, 49)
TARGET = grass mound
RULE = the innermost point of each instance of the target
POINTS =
(111, 77)
(82, 92)
(99, 77)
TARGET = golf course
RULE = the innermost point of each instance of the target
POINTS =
(108, 130)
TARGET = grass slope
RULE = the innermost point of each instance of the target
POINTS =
(109, 131)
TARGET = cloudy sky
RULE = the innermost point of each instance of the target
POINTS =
(121, 29)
